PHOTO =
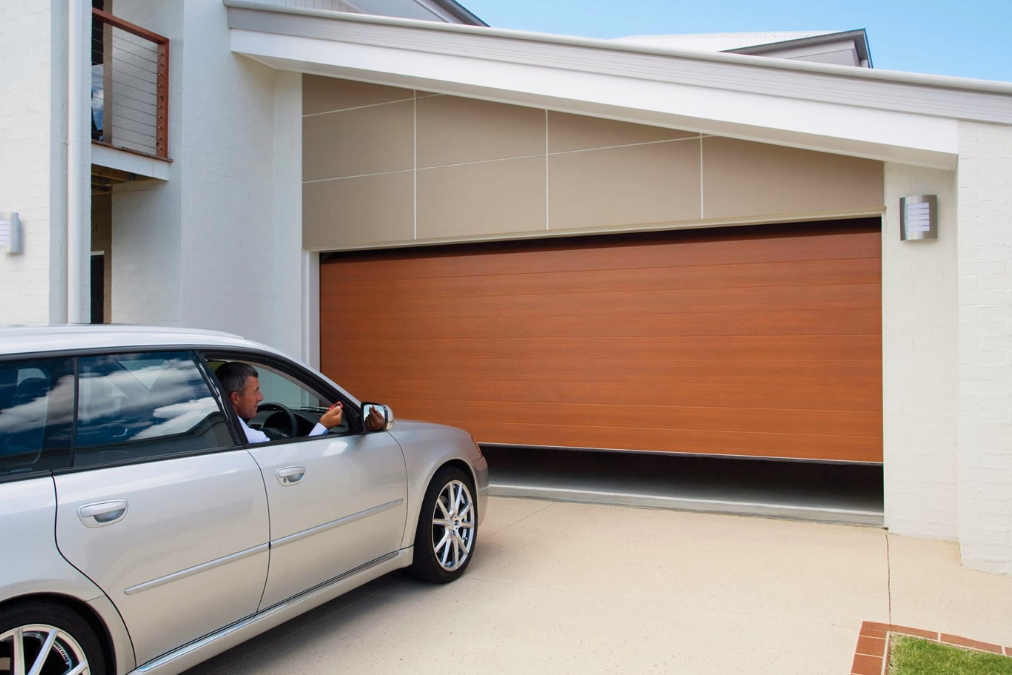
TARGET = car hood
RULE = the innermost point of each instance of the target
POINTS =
(416, 427)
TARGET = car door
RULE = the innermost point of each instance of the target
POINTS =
(162, 509)
(337, 501)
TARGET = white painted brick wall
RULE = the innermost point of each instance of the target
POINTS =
(228, 194)
(920, 361)
(219, 245)
(147, 216)
(25, 149)
(985, 346)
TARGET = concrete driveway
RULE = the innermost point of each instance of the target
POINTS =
(581, 588)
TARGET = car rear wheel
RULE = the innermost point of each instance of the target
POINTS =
(49, 639)
(447, 527)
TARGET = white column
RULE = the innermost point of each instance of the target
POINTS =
(289, 300)
(985, 346)
(78, 162)
(919, 361)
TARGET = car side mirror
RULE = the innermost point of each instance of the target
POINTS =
(376, 417)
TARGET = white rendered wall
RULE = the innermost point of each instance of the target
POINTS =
(290, 303)
(919, 361)
(201, 249)
(33, 88)
(227, 180)
(146, 216)
(985, 346)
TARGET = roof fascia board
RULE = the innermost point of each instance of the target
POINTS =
(241, 15)
(812, 125)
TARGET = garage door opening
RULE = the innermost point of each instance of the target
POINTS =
(848, 493)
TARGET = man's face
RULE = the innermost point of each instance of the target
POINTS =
(246, 401)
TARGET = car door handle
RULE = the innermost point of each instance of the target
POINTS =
(290, 475)
(101, 514)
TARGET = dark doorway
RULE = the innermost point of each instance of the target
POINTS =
(97, 287)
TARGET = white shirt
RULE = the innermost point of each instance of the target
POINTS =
(257, 436)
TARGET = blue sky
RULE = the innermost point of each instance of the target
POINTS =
(968, 38)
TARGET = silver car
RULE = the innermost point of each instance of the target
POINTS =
(141, 532)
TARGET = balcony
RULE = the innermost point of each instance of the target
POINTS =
(129, 102)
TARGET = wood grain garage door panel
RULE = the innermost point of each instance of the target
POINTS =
(760, 341)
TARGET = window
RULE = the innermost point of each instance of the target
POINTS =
(284, 393)
(133, 406)
(36, 414)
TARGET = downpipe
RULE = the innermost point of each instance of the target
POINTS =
(78, 70)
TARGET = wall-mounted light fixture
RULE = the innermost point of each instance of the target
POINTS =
(919, 217)
(10, 232)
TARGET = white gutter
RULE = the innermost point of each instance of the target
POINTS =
(79, 24)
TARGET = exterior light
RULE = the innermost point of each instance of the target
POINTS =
(919, 217)
(10, 232)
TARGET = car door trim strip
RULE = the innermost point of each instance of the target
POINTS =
(264, 615)
(319, 529)
(196, 569)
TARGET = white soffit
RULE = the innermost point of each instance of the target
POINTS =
(130, 162)
(887, 116)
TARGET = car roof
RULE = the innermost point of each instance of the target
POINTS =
(59, 338)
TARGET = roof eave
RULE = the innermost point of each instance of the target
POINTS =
(859, 37)
(460, 12)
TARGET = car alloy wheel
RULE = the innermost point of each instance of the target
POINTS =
(447, 527)
(43, 649)
(453, 525)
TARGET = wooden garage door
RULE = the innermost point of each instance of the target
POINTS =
(757, 341)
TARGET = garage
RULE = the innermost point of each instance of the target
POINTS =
(760, 341)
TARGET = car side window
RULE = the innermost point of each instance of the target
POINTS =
(285, 393)
(36, 414)
(135, 406)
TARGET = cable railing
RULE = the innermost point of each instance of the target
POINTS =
(129, 86)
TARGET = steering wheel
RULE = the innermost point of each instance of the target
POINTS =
(293, 426)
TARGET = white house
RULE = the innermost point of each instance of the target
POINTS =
(671, 248)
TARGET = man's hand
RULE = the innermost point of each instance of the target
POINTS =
(332, 417)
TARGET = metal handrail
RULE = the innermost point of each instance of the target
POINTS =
(161, 80)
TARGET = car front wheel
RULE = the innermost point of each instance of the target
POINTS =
(447, 527)
(49, 639)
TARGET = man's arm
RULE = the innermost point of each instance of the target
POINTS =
(329, 419)
(254, 435)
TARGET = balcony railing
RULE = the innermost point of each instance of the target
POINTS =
(129, 86)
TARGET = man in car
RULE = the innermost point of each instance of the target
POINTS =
(241, 384)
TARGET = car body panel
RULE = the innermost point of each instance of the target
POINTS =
(428, 447)
(346, 509)
(190, 655)
(192, 542)
(28, 517)
(122, 646)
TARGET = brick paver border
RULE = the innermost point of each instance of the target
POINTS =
(872, 654)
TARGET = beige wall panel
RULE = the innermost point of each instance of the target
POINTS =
(358, 211)
(326, 94)
(482, 199)
(743, 179)
(358, 142)
(653, 183)
(453, 130)
(579, 132)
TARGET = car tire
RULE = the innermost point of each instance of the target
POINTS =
(32, 624)
(447, 527)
